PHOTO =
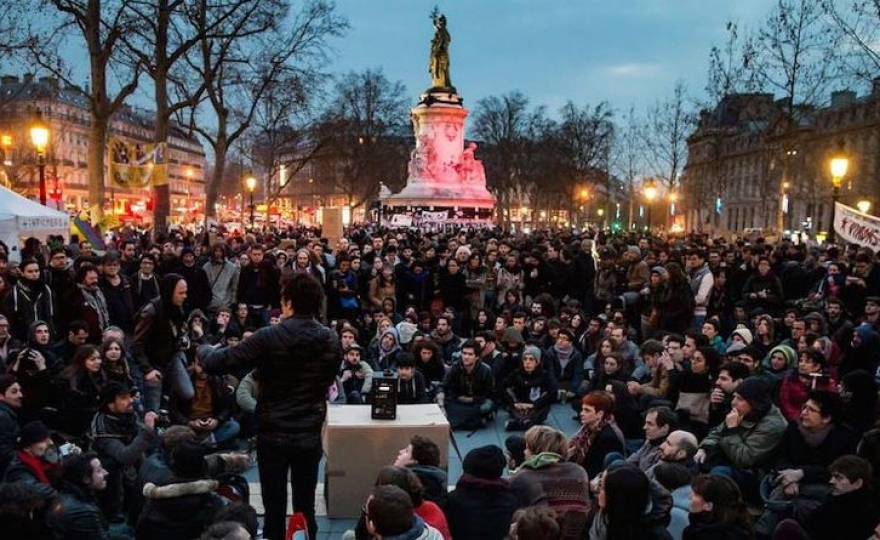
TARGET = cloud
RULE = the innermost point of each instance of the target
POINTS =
(633, 70)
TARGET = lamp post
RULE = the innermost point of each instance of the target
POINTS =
(251, 183)
(40, 139)
(864, 206)
(839, 164)
(650, 191)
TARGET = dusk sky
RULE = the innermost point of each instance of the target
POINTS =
(626, 52)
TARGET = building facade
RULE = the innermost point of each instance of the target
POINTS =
(66, 111)
(751, 165)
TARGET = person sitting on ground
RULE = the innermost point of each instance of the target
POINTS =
(390, 514)
(30, 466)
(747, 438)
(468, 390)
(534, 523)
(209, 413)
(529, 392)
(156, 470)
(243, 514)
(182, 509)
(20, 515)
(678, 448)
(809, 375)
(482, 502)
(565, 363)
(422, 455)
(406, 480)
(596, 438)
(851, 511)
(730, 376)
(356, 376)
(624, 500)
(75, 513)
(546, 478)
(659, 421)
(226, 530)
(410, 382)
(657, 387)
(810, 445)
(10, 404)
(717, 510)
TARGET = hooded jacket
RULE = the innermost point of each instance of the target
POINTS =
(75, 515)
(27, 303)
(751, 443)
(866, 355)
(178, 511)
(160, 325)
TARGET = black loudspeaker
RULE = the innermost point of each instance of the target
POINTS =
(384, 395)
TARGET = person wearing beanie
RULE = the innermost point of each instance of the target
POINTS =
(779, 363)
(748, 436)
(529, 391)
(198, 294)
(30, 465)
(742, 335)
(566, 364)
(482, 503)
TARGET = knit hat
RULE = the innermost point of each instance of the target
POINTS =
(531, 350)
(566, 332)
(32, 433)
(405, 330)
(736, 347)
(6, 381)
(659, 270)
(512, 335)
(485, 462)
(744, 333)
(756, 391)
(188, 250)
(789, 354)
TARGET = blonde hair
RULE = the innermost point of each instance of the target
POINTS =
(545, 439)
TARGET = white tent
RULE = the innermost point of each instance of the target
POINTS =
(21, 217)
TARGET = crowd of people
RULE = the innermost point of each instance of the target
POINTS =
(723, 389)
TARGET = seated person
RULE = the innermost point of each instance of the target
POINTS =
(850, 512)
(410, 382)
(209, 413)
(20, 511)
(30, 466)
(390, 514)
(809, 446)
(468, 390)
(748, 437)
(422, 455)
(75, 513)
(597, 436)
(679, 448)
(659, 421)
(184, 508)
(482, 503)
(156, 470)
(529, 391)
(121, 441)
(657, 386)
(534, 523)
(565, 363)
(810, 374)
(355, 376)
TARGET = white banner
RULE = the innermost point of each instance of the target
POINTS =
(855, 227)
(437, 217)
(400, 220)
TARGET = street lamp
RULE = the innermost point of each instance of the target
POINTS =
(864, 206)
(40, 139)
(251, 183)
(650, 191)
(839, 164)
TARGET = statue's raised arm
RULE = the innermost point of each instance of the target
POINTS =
(439, 64)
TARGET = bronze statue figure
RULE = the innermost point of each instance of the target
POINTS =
(439, 65)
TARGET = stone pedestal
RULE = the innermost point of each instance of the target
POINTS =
(443, 175)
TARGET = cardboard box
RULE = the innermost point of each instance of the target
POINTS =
(356, 447)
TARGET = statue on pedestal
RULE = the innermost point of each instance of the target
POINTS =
(439, 64)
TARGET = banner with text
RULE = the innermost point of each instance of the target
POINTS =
(855, 227)
(136, 164)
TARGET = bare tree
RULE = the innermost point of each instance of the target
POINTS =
(857, 27)
(99, 25)
(238, 72)
(792, 54)
(668, 125)
(628, 156)
(511, 131)
(368, 132)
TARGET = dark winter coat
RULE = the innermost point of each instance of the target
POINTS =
(480, 508)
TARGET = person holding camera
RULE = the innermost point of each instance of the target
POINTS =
(121, 441)
(160, 342)
(35, 366)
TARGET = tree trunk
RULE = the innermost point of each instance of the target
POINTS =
(97, 146)
(212, 189)
(161, 190)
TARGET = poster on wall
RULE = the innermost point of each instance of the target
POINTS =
(137, 164)
(855, 227)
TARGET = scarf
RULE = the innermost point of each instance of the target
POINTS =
(544, 459)
(95, 299)
(41, 469)
(579, 445)
(814, 438)
(563, 355)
